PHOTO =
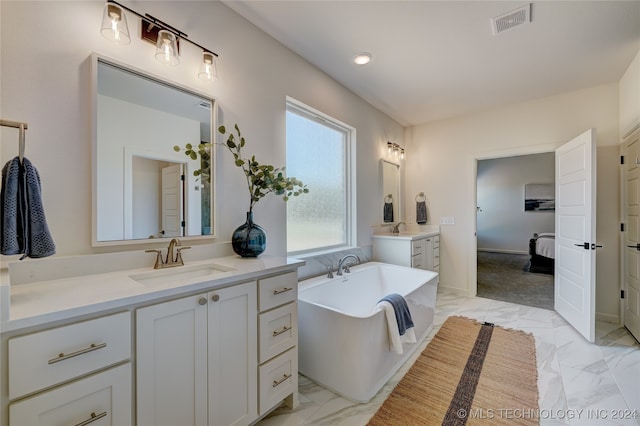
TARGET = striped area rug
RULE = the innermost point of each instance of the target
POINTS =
(470, 373)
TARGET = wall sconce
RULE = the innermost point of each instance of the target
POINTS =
(164, 36)
(395, 149)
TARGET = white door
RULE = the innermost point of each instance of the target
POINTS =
(172, 201)
(631, 301)
(575, 270)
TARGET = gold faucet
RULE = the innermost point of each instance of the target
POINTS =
(396, 227)
(170, 260)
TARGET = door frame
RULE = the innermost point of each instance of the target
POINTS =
(472, 259)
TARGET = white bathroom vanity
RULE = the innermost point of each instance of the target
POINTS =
(416, 249)
(213, 342)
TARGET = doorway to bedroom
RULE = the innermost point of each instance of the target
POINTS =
(515, 217)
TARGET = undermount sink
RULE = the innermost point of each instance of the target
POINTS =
(178, 274)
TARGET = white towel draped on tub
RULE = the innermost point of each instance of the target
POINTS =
(395, 339)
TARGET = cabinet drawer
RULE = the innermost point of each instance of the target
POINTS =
(278, 290)
(45, 358)
(278, 379)
(416, 247)
(436, 242)
(278, 331)
(103, 399)
(416, 261)
(436, 258)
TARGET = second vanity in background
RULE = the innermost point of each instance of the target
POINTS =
(419, 249)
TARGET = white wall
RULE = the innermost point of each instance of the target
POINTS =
(502, 223)
(630, 97)
(443, 164)
(45, 81)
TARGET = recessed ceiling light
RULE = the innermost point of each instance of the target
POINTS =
(362, 58)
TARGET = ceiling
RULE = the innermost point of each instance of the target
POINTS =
(438, 59)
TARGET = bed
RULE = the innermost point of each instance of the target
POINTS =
(542, 252)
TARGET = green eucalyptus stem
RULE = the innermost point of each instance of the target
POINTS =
(262, 179)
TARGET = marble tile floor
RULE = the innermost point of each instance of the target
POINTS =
(579, 383)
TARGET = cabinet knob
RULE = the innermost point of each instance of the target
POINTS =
(215, 297)
(202, 301)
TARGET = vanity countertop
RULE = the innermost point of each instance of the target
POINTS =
(40, 302)
(408, 235)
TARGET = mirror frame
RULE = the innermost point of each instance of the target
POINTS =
(94, 59)
(397, 201)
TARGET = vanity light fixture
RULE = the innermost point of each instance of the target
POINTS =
(166, 38)
(395, 149)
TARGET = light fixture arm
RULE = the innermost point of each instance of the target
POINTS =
(162, 25)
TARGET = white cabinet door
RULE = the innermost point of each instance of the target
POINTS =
(171, 363)
(233, 355)
(99, 400)
(428, 253)
(197, 359)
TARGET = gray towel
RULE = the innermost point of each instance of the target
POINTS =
(12, 231)
(387, 212)
(403, 316)
(25, 228)
(421, 212)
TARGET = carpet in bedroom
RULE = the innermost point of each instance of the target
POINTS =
(503, 276)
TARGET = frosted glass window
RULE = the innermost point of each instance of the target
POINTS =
(318, 154)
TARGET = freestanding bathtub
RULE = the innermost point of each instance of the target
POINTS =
(343, 336)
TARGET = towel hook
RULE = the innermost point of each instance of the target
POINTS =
(21, 143)
(421, 197)
(22, 127)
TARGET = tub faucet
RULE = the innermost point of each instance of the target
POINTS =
(342, 264)
(396, 227)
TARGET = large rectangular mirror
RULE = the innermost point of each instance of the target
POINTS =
(143, 188)
(391, 192)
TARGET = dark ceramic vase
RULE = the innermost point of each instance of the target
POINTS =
(249, 239)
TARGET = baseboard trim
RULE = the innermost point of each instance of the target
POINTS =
(454, 291)
(490, 250)
(613, 319)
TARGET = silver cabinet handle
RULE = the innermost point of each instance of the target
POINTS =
(202, 301)
(278, 382)
(215, 297)
(282, 290)
(91, 348)
(93, 418)
(279, 332)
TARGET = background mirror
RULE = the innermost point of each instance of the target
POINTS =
(390, 184)
(140, 191)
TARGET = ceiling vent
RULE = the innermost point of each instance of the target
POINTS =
(512, 19)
